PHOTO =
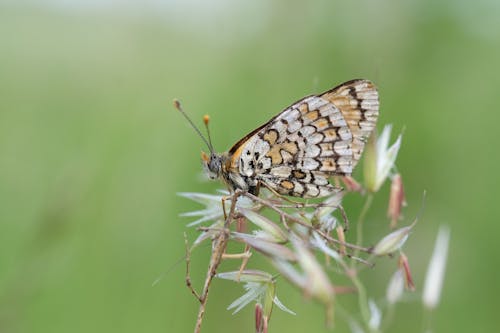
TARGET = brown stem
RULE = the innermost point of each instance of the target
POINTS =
(218, 250)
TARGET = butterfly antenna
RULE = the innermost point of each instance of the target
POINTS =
(206, 119)
(178, 106)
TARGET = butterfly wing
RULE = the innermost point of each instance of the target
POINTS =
(358, 102)
(319, 136)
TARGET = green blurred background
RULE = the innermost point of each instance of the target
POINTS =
(92, 153)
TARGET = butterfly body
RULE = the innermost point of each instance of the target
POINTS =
(296, 152)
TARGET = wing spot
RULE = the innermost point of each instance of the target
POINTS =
(290, 147)
(328, 165)
(304, 108)
(298, 174)
(330, 134)
(313, 115)
(326, 148)
(321, 123)
(275, 155)
(287, 184)
(271, 136)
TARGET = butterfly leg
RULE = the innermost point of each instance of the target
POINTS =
(244, 262)
(223, 202)
(273, 191)
(245, 256)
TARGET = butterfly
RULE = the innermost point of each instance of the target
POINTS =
(296, 152)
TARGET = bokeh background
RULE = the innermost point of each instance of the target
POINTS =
(92, 153)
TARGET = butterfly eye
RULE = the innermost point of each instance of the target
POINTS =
(208, 172)
(214, 166)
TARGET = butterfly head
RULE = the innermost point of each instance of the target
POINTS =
(212, 165)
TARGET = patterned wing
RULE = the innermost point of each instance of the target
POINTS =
(296, 151)
(358, 102)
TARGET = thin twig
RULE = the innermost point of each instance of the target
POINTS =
(305, 205)
(205, 229)
(188, 276)
(361, 260)
(344, 217)
(285, 224)
(243, 255)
